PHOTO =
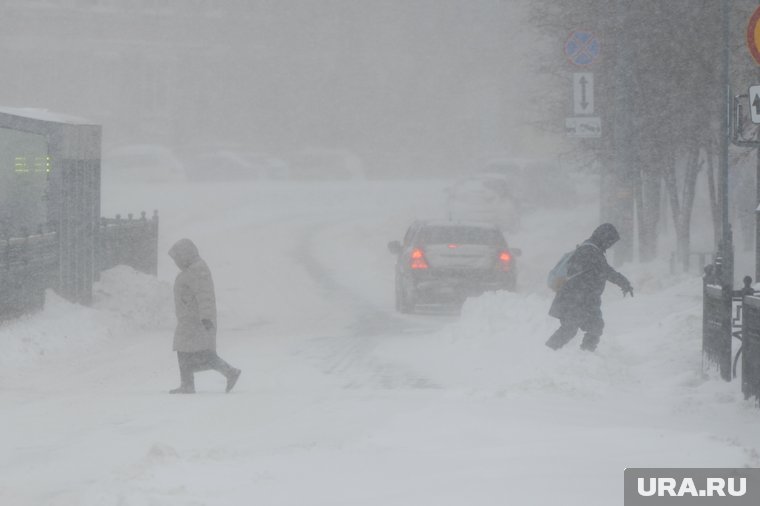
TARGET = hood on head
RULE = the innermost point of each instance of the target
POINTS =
(605, 236)
(184, 252)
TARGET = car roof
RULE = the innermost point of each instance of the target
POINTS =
(448, 223)
(480, 180)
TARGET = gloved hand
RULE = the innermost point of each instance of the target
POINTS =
(208, 324)
(627, 288)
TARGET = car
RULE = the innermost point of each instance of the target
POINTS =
(509, 168)
(234, 165)
(488, 198)
(444, 262)
(535, 182)
(327, 164)
(142, 163)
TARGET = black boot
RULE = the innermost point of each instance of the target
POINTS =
(562, 336)
(232, 378)
(589, 342)
(184, 389)
(186, 375)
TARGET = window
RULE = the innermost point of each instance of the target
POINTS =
(461, 235)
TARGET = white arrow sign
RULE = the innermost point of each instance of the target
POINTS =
(754, 103)
(583, 93)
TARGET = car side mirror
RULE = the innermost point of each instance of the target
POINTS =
(516, 251)
(395, 247)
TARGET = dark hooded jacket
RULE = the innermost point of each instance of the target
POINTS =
(194, 299)
(588, 271)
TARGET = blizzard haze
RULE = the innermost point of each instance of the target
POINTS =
(342, 400)
(425, 87)
(210, 112)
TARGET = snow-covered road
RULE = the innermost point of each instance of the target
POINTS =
(342, 401)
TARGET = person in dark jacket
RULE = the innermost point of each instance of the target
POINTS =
(195, 305)
(578, 303)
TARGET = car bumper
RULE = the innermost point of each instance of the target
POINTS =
(434, 286)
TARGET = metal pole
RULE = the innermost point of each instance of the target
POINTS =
(757, 214)
(757, 218)
(726, 248)
(623, 156)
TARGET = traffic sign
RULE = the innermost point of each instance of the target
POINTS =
(754, 104)
(583, 127)
(582, 48)
(753, 35)
(583, 93)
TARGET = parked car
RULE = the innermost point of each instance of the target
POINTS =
(234, 165)
(143, 163)
(487, 198)
(509, 168)
(535, 182)
(326, 164)
(445, 262)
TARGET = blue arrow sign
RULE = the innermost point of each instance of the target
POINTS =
(582, 48)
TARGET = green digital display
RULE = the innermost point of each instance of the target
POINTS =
(32, 164)
(25, 169)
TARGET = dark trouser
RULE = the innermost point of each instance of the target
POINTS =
(593, 325)
(196, 361)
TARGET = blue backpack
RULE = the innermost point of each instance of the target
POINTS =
(558, 275)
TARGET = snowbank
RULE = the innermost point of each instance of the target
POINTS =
(125, 301)
(139, 300)
(652, 342)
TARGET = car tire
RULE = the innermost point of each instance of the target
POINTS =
(405, 301)
(399, 297)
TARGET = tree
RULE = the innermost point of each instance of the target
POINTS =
(661, 97)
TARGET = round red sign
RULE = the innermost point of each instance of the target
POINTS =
(753, 35)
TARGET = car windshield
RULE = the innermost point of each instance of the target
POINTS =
(460, 235)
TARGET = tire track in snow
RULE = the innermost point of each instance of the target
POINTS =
(351, 352)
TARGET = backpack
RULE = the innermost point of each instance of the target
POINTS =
(558, 275)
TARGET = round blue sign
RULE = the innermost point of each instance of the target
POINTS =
(582, 48)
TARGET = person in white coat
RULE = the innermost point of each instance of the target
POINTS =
(195, 305)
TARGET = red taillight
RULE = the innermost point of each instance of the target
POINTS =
(453, 246)
(418, 259)
(505, 259)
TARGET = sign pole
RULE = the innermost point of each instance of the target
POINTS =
(624, 166)
(751, 30)
(757, 214)
(753, 44)
(725, 251)
(757, 217)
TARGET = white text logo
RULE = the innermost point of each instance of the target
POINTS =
(716, 487)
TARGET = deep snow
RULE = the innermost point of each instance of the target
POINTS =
(342, 401)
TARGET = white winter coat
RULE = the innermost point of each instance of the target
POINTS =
(194, 299)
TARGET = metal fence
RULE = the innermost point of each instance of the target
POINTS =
(717, 329)
(28, 266)
(751, 347)
(132, 242)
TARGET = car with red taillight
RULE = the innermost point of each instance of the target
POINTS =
(444, 262)
(484, 197)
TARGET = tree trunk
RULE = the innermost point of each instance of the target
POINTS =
(714, 197)
(683, 234)
(671, 185)
(682, 208)
(648, 212)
